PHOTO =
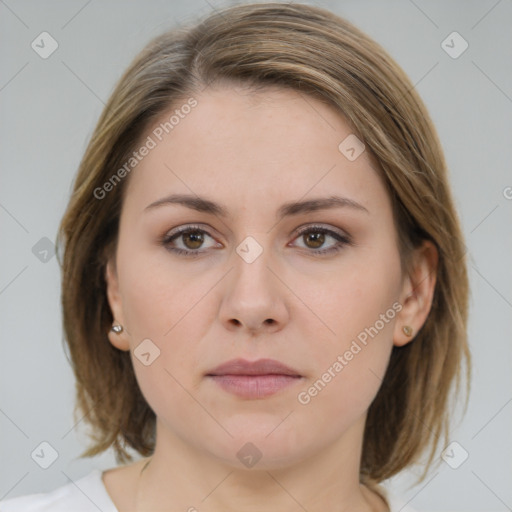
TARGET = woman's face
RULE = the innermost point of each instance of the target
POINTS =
(313, 287)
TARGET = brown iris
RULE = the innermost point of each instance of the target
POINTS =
(316, 237)
(195, 237)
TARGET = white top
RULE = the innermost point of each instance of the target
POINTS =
(88, 494)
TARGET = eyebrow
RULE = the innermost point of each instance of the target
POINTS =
(204, 205)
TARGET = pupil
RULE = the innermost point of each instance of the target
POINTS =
(317, 238)
(196, 238)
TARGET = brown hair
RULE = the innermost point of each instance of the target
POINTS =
(313, 51)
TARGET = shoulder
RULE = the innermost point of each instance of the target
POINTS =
(88, 494)
(397, 503)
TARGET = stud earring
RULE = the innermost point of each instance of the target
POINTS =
(117, 328)
(407, 330)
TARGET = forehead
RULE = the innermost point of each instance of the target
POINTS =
(254, 147)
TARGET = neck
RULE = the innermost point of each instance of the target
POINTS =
(184, 478)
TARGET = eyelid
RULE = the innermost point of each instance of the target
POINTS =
(307, 227)
(188, 227)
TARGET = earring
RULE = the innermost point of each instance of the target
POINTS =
(407, 330)
(117, 328)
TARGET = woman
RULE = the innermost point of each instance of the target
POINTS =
(264, 283)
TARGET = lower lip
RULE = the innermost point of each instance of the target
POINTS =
(254, 386)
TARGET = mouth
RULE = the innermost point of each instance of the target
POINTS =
(254, 380)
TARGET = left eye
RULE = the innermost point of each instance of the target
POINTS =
(315, 236)
(192, 238)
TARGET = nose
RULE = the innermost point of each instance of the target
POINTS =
(254, 298)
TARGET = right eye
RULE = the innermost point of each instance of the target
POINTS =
(186, 240)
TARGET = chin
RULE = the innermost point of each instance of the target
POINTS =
(263, 448)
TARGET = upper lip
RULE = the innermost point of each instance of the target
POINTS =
(259, 367)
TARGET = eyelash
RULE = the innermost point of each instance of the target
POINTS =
(341, 240)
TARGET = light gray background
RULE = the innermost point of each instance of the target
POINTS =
(48, 110)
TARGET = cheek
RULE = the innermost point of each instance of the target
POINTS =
(163, 304)
(356, 295)
(157, 295)
(350, 366)
(359, 308)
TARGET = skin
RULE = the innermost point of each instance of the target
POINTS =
(252, 152)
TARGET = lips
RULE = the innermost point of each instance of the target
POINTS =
(254, 380)
(259, 367)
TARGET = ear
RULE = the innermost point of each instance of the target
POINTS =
(417, 293)
(120, 340)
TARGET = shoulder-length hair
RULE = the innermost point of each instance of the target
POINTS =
(311, 50)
